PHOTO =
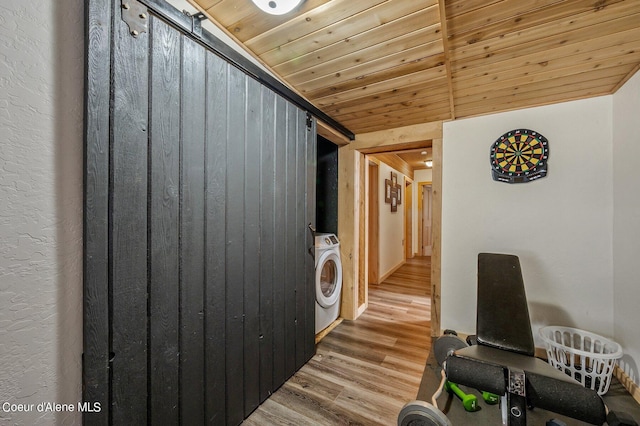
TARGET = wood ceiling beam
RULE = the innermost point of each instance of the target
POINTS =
(420, 146)
(392, 160)
(403, 147)
(399, 138)
(331, 134)
(447, 59)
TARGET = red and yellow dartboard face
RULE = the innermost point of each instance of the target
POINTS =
(519, 156)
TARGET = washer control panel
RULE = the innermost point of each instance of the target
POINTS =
(324, 241)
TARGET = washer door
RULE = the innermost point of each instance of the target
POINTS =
(328, 279)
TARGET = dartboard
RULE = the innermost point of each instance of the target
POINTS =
(519, 156)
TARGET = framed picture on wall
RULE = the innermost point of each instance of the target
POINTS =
(387, 190)
(394, 179)
(399, 193)
(394, 198)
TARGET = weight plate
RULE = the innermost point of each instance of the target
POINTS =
(421, 413)
(445, 345)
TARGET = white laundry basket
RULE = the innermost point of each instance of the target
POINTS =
(585, 356)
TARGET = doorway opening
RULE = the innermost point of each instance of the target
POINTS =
(412, 176)
(353, 211)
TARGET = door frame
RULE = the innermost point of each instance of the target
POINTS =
(408, 218)
(353, 235)
(373, 222)
(421, 186)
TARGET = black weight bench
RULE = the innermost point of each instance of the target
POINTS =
(503, 361)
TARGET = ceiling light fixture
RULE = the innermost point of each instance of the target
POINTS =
(277, 7)
(428, 163)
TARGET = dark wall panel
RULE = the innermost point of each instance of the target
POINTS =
(199, 188)
(96, 211)
(327, 186)
(290, 243)
(235, 245)
(164, 210)
(216, 217)
(128, 226)
(252, 248)
(279, 244)
(267, 238)
(192, 233)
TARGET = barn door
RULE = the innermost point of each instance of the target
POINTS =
(199, 185)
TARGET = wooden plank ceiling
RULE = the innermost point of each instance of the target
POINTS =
(382, 64)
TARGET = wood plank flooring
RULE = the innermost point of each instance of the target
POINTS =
(364, 371)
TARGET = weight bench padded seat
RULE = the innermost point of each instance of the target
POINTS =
(502, 317)
(505, 351)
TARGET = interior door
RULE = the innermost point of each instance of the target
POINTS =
(426, 219)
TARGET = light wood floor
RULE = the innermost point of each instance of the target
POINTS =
(364, 371)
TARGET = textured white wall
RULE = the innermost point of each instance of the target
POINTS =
(559, 226)
(391, 226)
(626, 224)
(41, 92)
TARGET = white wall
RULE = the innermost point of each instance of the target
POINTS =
(41, 95)
(560, 226)
(423, 175)
(391, 226)
(626, 224)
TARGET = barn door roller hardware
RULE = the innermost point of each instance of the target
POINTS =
(136, 16)
(309, 122)
(196, 22)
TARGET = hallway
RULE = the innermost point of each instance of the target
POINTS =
(364, 371)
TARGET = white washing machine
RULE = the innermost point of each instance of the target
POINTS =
(328, 280)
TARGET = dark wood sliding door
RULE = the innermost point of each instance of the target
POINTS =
(199, 185)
